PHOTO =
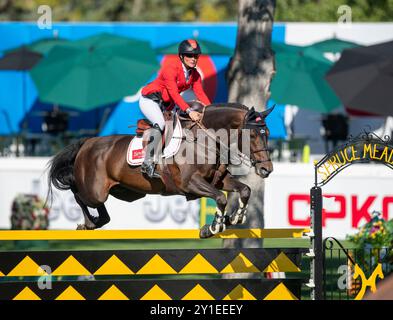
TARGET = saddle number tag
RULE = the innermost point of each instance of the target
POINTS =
(137, 154)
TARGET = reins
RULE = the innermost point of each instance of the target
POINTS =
(244, 159)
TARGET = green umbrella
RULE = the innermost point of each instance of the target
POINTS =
(43, 46)
(281, 47)
(300, 79)
(331, 49)
(207, 47)
(94, 71)
(333, 45)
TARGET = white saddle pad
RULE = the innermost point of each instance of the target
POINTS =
(136, 154)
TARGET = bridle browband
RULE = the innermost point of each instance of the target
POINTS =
(263, 132)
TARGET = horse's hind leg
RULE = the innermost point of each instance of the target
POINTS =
(103, 216)
(92, 222)
(89, 224)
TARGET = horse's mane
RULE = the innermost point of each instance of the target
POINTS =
(232, 105)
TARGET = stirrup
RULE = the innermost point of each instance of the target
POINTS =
(149, 169)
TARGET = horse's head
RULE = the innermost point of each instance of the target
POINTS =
(259, 134)
(252, 133)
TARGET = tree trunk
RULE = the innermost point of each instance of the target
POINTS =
(249, 75)
(137, 8)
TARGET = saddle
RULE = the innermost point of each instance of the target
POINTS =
(172, 136)
(145, 124)
(171, 139)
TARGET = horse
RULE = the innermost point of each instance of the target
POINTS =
(94, 168)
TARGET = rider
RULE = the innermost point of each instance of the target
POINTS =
(164, 93)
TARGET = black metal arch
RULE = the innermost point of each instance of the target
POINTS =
(355, 143)
(317, 245)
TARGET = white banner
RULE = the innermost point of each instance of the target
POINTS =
(152, 212)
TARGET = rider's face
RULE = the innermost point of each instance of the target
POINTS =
(190, 60)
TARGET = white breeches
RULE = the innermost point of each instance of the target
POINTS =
(152, 111)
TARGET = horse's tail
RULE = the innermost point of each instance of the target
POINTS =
(61, 169)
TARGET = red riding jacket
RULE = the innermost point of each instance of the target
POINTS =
(171, 82)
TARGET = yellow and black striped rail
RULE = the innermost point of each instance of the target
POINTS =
(156, 274)
(201, 289)
(149, 262)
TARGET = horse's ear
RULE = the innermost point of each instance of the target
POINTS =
(250, 114)
(265, 113)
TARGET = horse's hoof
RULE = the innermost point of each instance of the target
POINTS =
(218, 227)
(205, 232)
(85, 227)
(234, 219)
(231, 220)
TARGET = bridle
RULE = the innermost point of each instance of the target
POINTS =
(247, 125)
(263, 133)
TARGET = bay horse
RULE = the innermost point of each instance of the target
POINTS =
(95, 168)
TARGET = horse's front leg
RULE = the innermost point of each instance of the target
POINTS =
(238, 216)
(200, 187)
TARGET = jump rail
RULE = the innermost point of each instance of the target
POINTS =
(179, 274)
(147, 234)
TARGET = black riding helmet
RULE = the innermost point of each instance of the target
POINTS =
(189, 46)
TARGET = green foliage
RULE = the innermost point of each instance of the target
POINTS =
(376, 233)
(327, 11)
(191, 10)
(29, 212)
(374, 242)
(122, 10)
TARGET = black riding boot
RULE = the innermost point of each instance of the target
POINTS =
(149, 163)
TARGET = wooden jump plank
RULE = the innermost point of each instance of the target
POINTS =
(145, 234)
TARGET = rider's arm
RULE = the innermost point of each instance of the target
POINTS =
(170, 83)
(198, 90)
